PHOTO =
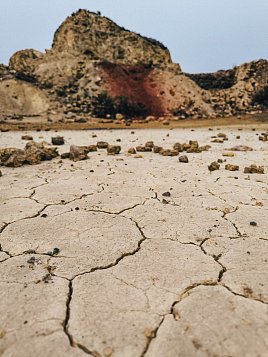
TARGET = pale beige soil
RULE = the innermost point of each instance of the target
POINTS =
(135, 276)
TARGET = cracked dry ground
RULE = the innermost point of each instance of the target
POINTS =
(135, 276)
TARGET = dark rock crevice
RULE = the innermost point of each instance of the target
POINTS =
(213, 81)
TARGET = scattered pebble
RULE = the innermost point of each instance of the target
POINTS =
(222, 135)
(168, 152)
(57, 140)
(157, 149)
(31, 261)
(141, 148)
(55, 251)
(253, 223)
(263, 137)
(91, 148)
(102, 145)
(184, 159)
(231, 167)
(113, 150)
(132, 151)
(218, 141)
(228, 154)
(214, 166)
(241, 148)
(26, 137)
(65, 155)
(149, 144)
(254, 169)
(178, 147)
(78, 153)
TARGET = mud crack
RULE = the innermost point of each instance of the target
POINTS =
(152, 336)
(72, 342)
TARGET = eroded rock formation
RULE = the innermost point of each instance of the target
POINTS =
(90, 55)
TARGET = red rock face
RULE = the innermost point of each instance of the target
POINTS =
(133, 82)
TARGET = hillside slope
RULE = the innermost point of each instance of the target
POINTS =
(90, 55)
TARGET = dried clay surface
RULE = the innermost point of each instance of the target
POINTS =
(136, 255)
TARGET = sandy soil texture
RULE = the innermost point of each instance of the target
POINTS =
(135, 255)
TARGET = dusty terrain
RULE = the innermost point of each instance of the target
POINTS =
(56, 122)
(96, 260)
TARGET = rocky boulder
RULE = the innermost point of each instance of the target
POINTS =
(24, 61)
(33, 154)
(78, 153)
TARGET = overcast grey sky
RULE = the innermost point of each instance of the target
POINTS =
(202, 35)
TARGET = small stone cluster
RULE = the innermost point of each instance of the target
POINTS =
(263, 137)
(32, 154)
(252, 169)
(79, 153)
(190, 147)
(219, 139)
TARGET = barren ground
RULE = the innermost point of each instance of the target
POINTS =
(93, 261)
(53, 122)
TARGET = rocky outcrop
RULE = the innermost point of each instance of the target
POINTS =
(87, 59)
(5, 73)
(21, 97)
(92, 55)
(243, 89)
(214, 81)
(98, 38)
(23, 62)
